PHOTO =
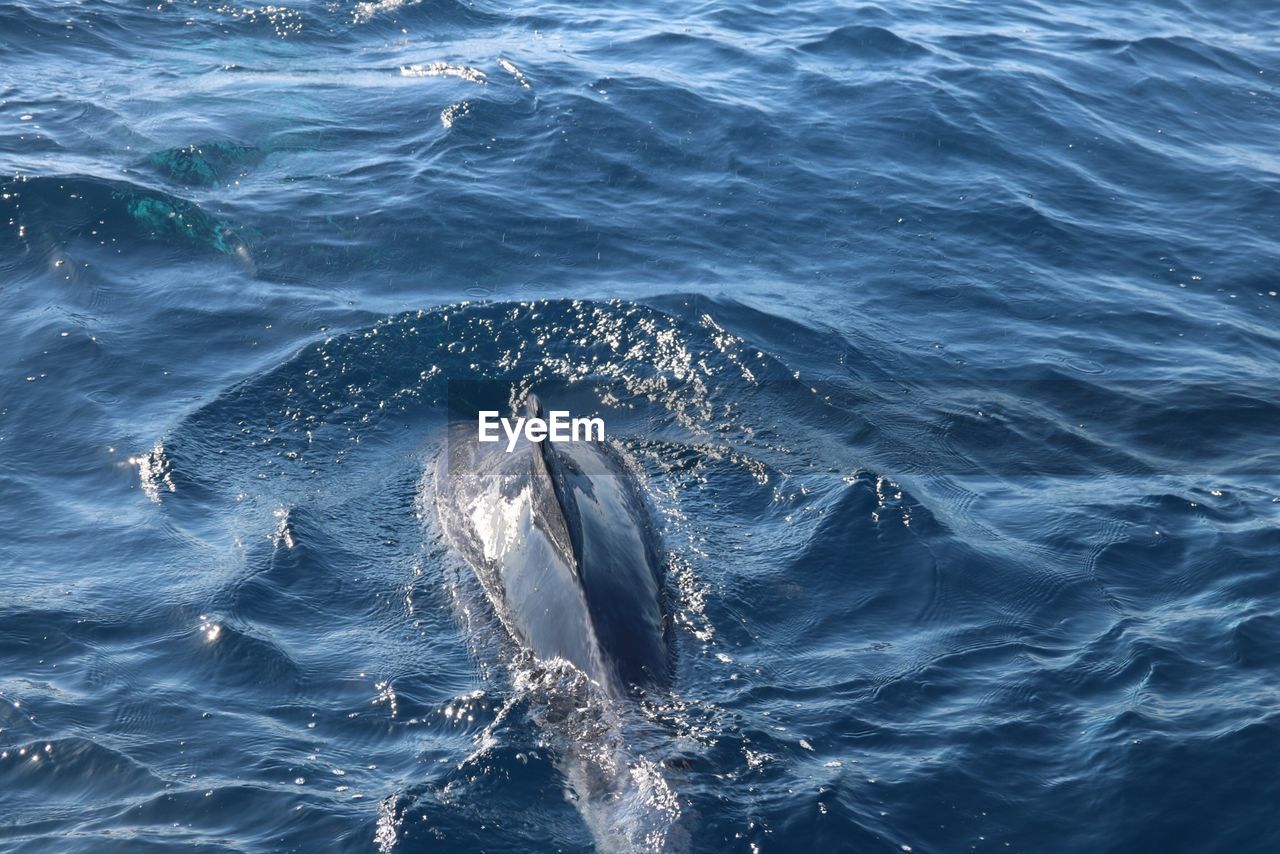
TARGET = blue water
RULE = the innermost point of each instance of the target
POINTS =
(951, 334)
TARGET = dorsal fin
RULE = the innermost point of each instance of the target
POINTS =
(547, 494)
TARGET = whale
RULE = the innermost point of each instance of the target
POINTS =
(563, 544)
(561, 539)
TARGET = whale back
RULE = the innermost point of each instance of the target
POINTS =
(619, 569)
(564, 547)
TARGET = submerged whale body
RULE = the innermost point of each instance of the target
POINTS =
(563, 545)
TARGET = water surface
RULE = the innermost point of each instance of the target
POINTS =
(951, 331)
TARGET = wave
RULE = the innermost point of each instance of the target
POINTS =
(863, 43)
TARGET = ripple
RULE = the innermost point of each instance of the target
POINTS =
(69, 769)
(863, 43)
